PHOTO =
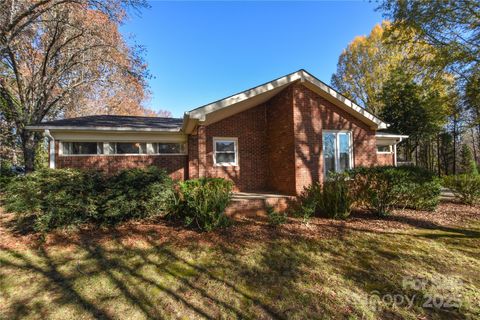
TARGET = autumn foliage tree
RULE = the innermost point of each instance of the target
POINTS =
(365, 65)
(65, 58)
(452, 29)
(400, 83)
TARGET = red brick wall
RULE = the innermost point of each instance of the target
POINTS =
(312, 114)
(249, 127)
(385, 159)
(175, 165)
(280, 143)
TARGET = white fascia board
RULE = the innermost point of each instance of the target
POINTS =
(389, 139)
(188, 124)
(339, 97)
(390, 135)
(201, 112)
(78, 128)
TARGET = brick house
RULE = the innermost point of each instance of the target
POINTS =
(277, 137)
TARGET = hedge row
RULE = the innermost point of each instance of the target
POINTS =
(378, 189)
(65, 197)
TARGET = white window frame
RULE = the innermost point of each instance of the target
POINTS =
(235, 152)
(385, 152)
(60, 149)
(184, 152)
(337, 149)
(149, 145)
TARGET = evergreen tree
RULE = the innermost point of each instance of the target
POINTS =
(467, 163)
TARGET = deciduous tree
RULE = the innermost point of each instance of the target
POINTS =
(62, 57)
(365, 65)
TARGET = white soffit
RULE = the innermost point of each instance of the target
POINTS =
(118, 136)
(389, 138)
(224, 108)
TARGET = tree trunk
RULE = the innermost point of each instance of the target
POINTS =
(455, 146)
(29, 144)
(439, 170)
(474, 144)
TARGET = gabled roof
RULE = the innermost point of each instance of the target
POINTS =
(113, 123)
(244, 100)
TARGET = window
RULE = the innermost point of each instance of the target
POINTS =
(82, 148)
(225, 151)
(384, 149)
(168, 148)
(121, 148)
(131, 148)
(337, 151)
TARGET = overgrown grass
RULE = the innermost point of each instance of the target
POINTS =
(281, 277)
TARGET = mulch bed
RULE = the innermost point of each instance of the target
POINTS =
(243, 232)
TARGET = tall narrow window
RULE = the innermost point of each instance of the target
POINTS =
(225, 151)
(337, 151)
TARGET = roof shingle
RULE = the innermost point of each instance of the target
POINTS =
(115, 121)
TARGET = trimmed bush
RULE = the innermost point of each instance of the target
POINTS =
(380, 189)
(465, 187)
(330, 200)
(55, 198)
(201, 203)
(135, 194)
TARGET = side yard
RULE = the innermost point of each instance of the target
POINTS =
(411, 264)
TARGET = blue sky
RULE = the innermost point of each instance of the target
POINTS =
(199, 52)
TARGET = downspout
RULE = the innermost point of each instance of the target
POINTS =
(395, 155)
(51, 145)
(395, 152)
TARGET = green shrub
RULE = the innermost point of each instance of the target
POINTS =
(56, 198)
(135, 194)
(306, 205)
(335, 200)
(381, 189)
(202, 202)
(330, 200)
(4, 182)
(275, 218)
(6, 174)
(6, 168)
(465, 187)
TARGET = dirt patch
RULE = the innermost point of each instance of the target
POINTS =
(244, 231)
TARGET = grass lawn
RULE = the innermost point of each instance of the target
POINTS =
(326, 269)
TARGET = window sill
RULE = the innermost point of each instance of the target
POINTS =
(225, 165)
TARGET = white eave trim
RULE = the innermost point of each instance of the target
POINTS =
(342, 99)
(78, 128)
(201, 113)
(390, 135)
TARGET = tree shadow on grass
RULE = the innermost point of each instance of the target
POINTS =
(420, 223)
(275, 277)
(155, 281)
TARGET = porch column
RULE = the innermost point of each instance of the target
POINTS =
(51, 148)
